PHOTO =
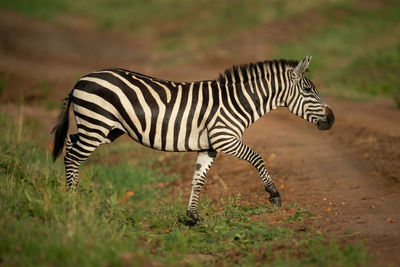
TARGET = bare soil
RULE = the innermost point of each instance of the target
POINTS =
(349, 177)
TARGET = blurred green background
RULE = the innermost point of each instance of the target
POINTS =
(354, 44)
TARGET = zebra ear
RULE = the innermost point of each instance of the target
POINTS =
(301, 67)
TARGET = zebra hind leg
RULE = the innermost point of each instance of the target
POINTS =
(77, 151)
(203, 164)
(71, 167)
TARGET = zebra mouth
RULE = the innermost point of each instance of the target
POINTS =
(324, 125)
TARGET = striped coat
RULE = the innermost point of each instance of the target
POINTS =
(206, 116)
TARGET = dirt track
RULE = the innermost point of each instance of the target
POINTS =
(346, 176)
(349, 176)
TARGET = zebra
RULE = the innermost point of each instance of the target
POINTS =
(207, 117)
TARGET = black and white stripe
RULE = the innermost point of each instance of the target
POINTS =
(205, 116)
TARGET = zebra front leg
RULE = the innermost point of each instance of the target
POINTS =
(236, 148)
(203, 164)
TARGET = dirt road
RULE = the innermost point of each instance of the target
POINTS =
(349, 177)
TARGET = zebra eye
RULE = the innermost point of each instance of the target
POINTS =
(307, 89)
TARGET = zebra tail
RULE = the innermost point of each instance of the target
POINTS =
(60, 130)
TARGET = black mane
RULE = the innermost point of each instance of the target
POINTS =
(234, 71)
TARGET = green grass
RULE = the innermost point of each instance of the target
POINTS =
(355, 53)
(300, 215)
(46, 89)
(172, 24)
(354, 46)
(376, 74)
(42, 224)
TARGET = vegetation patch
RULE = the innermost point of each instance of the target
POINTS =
(356, 56)
(118, 216)
(300, 215)
(176, 24)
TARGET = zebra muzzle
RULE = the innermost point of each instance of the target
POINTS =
(328, 121)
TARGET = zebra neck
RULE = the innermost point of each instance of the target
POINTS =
(257, 87)
(251, 99)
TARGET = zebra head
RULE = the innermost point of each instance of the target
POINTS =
(304, 101)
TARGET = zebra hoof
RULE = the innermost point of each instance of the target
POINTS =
(70, 188)
(192, 214)
(276, 201)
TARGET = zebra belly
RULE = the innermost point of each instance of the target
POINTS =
(193, 141)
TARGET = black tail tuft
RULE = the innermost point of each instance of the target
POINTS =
(60, 130)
